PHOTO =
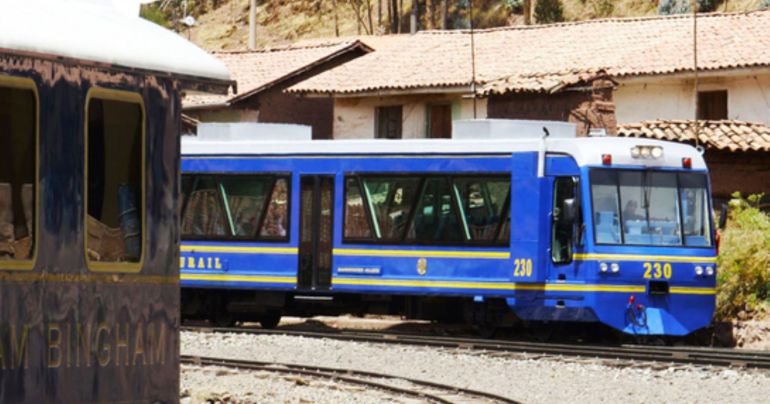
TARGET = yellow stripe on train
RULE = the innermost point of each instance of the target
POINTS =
(499, 255)
(238, 278)
(243, 250)
(631, 257)
(554, 287)
(422, 253)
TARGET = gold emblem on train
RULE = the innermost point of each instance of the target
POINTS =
(422, 266)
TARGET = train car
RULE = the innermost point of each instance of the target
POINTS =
(505, 217)
(89, 164)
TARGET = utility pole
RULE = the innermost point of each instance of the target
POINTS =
(413, 18)
(694, 5)
(253, 25)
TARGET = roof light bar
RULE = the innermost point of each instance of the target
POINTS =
(647, 152)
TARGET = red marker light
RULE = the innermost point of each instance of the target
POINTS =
(607, 159)
(639, 307)
(687, 162)
(631, 299)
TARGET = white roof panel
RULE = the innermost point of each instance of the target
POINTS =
(88, 30)
(585, 150)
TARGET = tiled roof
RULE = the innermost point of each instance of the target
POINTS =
(538, 58)
(723, 135)
(258, 70)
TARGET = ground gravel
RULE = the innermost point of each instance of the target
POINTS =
(223, 385)
(526, 379)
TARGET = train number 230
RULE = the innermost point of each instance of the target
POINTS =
(522, 267)
(656, 270)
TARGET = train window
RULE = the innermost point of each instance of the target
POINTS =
(604, 196)
(427, 209)
(650, 213)
(504, 237)
(390, 202)
(696, 224)
(659, 208)
(562, 226)
(276, 220)
(18, 157)
(483, 205)
(236, 207)
(436, 219)
(114, 179)
(203, 214)
(245, 197)
(356, 221)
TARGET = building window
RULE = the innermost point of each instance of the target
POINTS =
(387, 122)
(440, 121)
(114, 180)
(712, 105)
(18, 210)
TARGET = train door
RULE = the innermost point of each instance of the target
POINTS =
(316, 223)
(565, 225)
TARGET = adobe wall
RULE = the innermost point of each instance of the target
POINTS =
(748, 97)
(354, 117)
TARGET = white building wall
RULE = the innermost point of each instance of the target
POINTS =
(748, 98)
(354, 118)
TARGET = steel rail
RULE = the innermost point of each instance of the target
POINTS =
(723, 357)
(352, 377)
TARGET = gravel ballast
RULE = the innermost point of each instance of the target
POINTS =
(526, 379)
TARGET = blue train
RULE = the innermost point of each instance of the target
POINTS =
(90, 103)
(509, 219)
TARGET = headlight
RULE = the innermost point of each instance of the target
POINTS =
(615, 268)
(699, 270)
(709, 271)
(657, 152)
(603, 267)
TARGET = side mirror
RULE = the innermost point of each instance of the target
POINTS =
(569, 211)
(723, 216)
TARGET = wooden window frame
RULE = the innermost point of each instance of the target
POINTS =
(706, 93)
(378, 121)
(429, 119)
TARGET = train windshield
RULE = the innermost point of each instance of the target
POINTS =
(650, 208)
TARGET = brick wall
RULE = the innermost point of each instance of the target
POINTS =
(589, 107)
(747, 172)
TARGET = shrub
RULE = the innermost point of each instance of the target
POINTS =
(744, 261)
(548, 11)
(668, 7)
(683, 6)
(152, 13)
(517, 6)
(764, 4)
(602, 8)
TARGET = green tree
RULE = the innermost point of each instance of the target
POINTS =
(549, 11)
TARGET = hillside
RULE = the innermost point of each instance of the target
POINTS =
(223, 24)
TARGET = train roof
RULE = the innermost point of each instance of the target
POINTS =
(95, 31)
(585, 150)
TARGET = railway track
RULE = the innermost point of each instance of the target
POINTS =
(721, 357)
(395, 385)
